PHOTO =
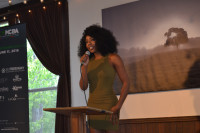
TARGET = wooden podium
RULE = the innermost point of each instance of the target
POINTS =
(78, 116)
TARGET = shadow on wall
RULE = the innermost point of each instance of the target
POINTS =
(193, 81)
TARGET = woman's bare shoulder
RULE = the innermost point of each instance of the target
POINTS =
(114, 58)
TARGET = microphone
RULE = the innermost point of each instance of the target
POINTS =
(86, 53)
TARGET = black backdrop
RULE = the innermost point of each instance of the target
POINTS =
(14, 112)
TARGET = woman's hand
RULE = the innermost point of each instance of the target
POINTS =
(84, 60)
(115, 116)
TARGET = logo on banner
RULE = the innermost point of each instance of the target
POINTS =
(12, 69)
(17, 78)
(16, 88)
(9, 33)
(4, 89)
(7, 129)
(13, 98)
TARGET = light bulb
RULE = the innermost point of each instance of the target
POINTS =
(10, 2)
(59, 3)
(25, 1)
(44, 7)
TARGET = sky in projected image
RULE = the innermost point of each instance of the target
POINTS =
(144, 23)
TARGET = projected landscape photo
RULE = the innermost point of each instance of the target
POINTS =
(159, 43)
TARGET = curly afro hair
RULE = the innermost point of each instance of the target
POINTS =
(105, 41)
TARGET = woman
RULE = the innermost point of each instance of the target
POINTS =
(98, 70)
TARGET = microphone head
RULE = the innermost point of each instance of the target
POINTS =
(87, 53)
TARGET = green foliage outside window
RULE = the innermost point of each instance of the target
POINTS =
(40, 77)
(2, 24)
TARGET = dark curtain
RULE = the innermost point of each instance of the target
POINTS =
(48, 34)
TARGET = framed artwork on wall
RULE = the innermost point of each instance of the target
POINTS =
(159, 43)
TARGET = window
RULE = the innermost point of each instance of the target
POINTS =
(2, 24)
(42, 93)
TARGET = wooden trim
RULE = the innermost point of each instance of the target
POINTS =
(160, 120)
(183, 124)
(42, 89)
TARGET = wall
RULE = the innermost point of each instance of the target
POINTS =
(83, 13)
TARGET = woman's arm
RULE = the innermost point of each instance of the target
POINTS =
(83, 83)
(118, 64)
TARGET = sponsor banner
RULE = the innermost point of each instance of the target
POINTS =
(14, 112)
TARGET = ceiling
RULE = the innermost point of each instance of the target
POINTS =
(4, 3)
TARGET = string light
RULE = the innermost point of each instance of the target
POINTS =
(25, 1)
(44, 7)
(10, 2)
(30, 11)
(59, 3)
